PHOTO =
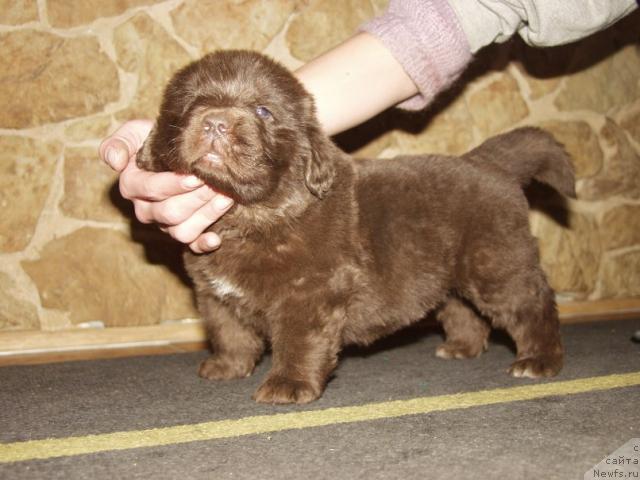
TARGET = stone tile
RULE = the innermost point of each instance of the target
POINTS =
(445, 132)
(620, 227)
(581, 143)
(322, 24)
(497, 106)
(62, 15)
(44, 83)
(90, 188)
(631, 122)
(93, 128)
(99, 274)
(26, 169)
(620, 277)
(212, 25)
(539, 87)
(621, 174)
(15, 314)
(146, 49)
(398, 132)
(570, 256)
(16, 12)
(543, 68)
(608, 84)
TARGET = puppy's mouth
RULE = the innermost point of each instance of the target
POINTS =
(212, 159)
(210, 165)
(212, 153)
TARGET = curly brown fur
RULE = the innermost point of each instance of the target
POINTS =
(323, 250)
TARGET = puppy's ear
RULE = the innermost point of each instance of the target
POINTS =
(319, 167)
(144, 159)
(147, 157)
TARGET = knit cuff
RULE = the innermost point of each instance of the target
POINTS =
(426, 38)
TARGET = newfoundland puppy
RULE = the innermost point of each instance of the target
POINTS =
(322, 250)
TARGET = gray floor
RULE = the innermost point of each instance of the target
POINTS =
(556, 437)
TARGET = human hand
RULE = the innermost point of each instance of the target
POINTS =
(181, 204)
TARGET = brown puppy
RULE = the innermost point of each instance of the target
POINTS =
(322, 250)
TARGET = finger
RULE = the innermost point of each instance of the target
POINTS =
(117, 149)
(142, 209)
(207, 242)
(189, 230)
(177, 209)
(152, 186)
(115, 153)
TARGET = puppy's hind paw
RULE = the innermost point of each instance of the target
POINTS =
(536, 367)
(282, 390)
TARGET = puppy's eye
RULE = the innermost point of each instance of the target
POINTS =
(263, 112)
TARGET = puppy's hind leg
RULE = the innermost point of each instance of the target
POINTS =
(526, 309)
(466, 333)
(536, 331)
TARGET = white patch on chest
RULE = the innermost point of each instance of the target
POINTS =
(224, 288)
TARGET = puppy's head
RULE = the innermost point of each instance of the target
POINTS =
(244, 125)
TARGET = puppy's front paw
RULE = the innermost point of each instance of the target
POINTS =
(537, 367)
(224, 368)
(453, 349)
(280, 390)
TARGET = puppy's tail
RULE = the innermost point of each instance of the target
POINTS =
(525, 154)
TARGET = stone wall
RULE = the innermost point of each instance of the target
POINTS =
(71, 253)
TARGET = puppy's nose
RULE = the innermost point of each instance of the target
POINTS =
(213, 123)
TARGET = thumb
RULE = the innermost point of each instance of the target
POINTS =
(125, 142)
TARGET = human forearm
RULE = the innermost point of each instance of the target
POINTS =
(407, 56)
(355, 81)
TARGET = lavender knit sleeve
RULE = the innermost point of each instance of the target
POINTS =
(427, 39)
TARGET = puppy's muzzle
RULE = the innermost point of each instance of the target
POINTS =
(216, 124)
(217, 128)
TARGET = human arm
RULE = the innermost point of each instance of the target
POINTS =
(434, 40)
(355, 81)
(540, 23)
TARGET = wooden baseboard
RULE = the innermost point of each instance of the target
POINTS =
(97, 353)
(599, 310)
(28, 347)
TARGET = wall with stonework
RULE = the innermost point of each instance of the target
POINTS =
(70, 251)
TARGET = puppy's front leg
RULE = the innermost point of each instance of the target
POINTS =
(304, 355)
(236, 347)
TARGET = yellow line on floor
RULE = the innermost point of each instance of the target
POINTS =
(62, 447)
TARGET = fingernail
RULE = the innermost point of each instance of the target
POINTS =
(221, 202)
(212, 241)
(113, 157)
(191, 181)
